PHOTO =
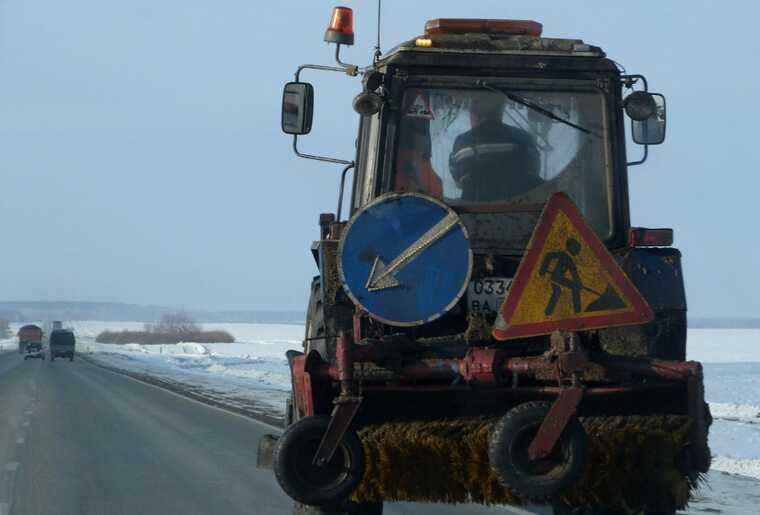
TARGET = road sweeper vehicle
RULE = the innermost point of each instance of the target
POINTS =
(487, 326)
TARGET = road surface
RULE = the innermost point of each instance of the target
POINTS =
(77, 439)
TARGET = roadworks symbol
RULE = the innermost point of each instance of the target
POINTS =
(567, 280)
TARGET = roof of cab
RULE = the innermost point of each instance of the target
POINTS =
(490, 44)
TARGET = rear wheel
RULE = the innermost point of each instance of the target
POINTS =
(542, 478)
(315, 337)
(328, 485)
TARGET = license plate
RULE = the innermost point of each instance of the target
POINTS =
(486, 295)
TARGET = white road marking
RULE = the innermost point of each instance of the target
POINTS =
(25, 424)
(29, 412)
(20, 440)
(11, 466)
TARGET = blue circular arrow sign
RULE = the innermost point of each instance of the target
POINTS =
(405, 259)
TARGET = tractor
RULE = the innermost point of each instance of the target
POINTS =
(486, 325)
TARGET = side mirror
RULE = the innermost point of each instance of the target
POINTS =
(651, 130)
(297, 108)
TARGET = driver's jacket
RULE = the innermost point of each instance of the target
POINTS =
(494, 161)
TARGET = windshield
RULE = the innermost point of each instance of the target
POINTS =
(506, 144)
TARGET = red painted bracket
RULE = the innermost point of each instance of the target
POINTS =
(555, 422)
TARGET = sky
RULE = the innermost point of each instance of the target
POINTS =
(141, 158)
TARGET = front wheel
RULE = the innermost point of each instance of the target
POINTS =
(330, 484)
(536, 479)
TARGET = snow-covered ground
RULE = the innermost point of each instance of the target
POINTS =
(253, 372)
(731, 359)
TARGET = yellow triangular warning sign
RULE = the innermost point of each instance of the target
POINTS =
(567, 280)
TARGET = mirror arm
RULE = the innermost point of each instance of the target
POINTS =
(342, 188)
(630, 80)
(317, 67)
(643, 158)
(348, 69)
(318, 158)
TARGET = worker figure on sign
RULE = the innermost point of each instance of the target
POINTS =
(563, 273)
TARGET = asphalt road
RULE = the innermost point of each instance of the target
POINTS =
(77, 439)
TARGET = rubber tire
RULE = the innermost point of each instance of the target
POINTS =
(71, 358)
(517, 428)
(294, 450)
(316, 329)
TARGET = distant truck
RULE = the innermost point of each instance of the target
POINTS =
(29, 334)
(62, 344)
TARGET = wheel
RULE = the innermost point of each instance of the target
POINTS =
(52, 358)
(543, 478)
(315, 332)
(310, 484)
(71, 358)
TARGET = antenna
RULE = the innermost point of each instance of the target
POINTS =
(378, 53)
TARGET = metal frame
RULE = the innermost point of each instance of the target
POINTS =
(421, 76)
(343, 68)
(495, 370)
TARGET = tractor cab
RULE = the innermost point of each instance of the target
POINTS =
(489, 116)
(491, 119)
(487, 299)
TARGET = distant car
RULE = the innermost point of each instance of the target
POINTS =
(62, 343)
(34, 350)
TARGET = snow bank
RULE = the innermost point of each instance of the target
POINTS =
(741, 467)
(739, 412)
(252, 372)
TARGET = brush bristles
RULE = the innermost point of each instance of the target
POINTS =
(631, 463)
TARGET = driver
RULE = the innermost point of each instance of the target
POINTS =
(493, 161)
